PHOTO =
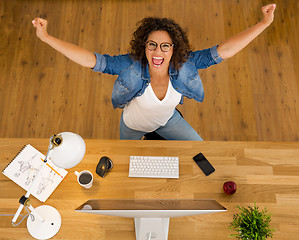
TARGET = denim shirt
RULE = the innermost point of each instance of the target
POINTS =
(133, 78)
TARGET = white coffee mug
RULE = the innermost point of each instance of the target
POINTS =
(84, 178)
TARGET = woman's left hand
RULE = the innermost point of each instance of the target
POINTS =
(268, 12)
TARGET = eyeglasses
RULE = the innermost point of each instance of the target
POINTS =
(164, 46)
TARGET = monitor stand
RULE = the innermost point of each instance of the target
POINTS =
(144, 227)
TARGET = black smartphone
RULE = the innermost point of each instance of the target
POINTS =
(204, 164)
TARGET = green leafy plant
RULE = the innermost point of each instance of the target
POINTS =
(252, 224)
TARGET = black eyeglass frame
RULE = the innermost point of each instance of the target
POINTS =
(150, 41)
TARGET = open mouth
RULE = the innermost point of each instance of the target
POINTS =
(157, 61)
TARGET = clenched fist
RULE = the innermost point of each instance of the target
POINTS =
(268, 12)
(41, 28)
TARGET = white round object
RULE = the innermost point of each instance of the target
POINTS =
(70, 152)
(49, 227)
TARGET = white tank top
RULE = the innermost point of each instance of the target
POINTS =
(147, 112)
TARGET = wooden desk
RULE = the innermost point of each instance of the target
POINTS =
(266, 173)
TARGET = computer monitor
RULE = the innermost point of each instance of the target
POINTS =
(151, 216)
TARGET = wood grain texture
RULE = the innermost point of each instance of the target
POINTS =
(251, 97)
(262, 171)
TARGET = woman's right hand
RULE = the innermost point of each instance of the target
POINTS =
(40, 26)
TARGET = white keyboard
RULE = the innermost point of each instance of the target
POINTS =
(154, 167)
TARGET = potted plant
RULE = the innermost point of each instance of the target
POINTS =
(252, 224)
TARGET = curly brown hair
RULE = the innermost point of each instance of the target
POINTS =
(177, 34)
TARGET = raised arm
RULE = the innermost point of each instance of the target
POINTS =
(236, 43)
(71, 51)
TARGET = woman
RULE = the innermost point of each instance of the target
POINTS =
(158, 72)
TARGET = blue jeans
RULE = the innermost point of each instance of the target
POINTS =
(175, 129)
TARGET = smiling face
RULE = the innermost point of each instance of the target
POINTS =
(157, 59)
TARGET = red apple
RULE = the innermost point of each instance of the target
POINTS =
(230, 187)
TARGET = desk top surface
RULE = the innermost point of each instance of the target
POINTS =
(265, 173)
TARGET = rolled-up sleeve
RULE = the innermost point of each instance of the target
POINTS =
(205, 58)
(100, 63)
(112, 64)
(215, 55)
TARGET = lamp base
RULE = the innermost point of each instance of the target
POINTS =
(49, 227)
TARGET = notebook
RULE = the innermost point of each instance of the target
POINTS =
(25, 166)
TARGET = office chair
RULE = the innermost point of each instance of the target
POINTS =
(155, 136)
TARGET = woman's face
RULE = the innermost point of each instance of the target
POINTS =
(159, 60)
